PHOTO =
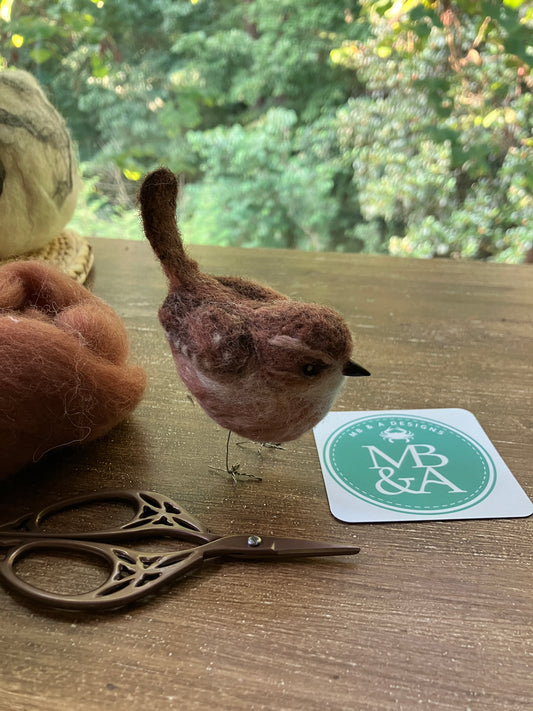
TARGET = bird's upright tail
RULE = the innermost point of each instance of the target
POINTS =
(157, 198)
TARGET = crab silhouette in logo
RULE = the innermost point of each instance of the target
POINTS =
(396, 434)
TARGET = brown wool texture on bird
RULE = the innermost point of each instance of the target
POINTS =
(261, 365)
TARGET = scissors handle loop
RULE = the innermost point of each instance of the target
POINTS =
(132, 574)
(154, 516)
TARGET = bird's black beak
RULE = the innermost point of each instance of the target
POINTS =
(351, 368)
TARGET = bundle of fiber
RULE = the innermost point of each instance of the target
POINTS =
(64, 375)
(39, 182)
(38, 178)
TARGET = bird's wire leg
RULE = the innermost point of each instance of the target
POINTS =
(271, 445)
(262, 445)
(234, 470)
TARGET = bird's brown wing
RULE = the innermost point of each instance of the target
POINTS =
(250, 289)
(219, 339)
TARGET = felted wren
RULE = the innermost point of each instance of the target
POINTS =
(261, 365)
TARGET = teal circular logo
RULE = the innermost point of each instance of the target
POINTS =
(409, 464)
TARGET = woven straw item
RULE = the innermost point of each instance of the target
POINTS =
(69, 252)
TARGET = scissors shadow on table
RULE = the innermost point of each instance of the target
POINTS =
(131, 574)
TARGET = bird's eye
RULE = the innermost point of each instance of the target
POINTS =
(311, 369)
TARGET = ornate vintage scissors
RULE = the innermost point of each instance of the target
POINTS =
(132, 573)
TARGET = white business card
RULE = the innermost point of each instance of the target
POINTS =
(414, 465)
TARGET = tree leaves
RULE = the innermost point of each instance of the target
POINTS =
(377, 125)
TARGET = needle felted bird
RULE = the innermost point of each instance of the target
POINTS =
(260, 364)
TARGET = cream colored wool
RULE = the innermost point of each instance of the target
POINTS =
(39, 183)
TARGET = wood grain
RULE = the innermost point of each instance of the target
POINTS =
(430, 615)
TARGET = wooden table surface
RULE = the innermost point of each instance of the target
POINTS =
(430, 615)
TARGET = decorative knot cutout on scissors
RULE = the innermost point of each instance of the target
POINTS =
(158, 511)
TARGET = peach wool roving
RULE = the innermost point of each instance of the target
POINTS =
(64, 375)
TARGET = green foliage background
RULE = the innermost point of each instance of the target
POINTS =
(388, 126)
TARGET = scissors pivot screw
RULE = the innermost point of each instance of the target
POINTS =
(254, 540)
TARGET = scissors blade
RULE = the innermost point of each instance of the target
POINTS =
(285, 547)
(254, 547)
